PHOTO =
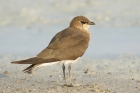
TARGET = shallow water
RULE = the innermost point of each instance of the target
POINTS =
(104, 42)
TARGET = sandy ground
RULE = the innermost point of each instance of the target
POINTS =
(105, 75)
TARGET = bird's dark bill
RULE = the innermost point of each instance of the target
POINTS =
(92, 23)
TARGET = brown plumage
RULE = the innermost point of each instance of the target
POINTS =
(68, 44)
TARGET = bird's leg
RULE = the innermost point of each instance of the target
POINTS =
(63, 67)
(69, 69)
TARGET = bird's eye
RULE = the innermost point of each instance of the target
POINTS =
(83, 22)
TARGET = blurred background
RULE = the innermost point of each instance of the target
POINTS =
(27, 26)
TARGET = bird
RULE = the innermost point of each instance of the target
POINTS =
(67, 45)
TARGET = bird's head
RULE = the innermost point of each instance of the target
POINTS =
(81, 22)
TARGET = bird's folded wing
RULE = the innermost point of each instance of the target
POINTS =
(34, 60)
(68, 44)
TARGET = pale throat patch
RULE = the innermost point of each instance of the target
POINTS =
(85, 26)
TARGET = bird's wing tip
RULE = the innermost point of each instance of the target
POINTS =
(12, 62)
(15, 62)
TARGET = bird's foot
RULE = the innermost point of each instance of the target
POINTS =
(70, 85)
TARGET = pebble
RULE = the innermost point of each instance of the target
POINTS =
(6, 72)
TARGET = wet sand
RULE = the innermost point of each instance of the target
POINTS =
(105, 75)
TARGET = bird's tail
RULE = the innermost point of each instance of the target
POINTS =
(28, 61)
(34, 61)
(29, 69)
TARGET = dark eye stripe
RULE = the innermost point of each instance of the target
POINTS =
(83, 22)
